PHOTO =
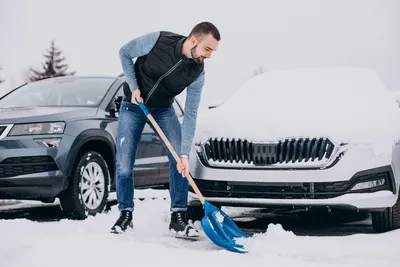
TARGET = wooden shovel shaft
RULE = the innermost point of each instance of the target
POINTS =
(173, 152)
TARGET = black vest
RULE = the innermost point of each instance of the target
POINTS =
(165, 72)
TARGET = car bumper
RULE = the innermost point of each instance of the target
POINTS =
(38, 186)
(31, 171)
(333, 187)
(361, 201)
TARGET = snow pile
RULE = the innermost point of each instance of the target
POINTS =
(357, 250)
(88, 243)
(348, 105)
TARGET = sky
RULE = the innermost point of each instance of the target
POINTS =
(266, 34)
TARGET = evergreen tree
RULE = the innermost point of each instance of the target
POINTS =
(53, 67)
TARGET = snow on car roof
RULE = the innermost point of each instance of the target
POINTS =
(349, 105)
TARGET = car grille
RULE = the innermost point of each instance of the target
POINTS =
(296, 150)
(318, 190)
(26, 165)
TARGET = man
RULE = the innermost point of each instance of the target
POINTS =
(166, 64)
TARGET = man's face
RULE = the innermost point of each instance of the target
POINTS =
(203, 47)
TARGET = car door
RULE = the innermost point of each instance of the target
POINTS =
(164, 169)
(149, 153)
(149, 156)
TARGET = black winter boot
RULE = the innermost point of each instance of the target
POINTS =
(124, 222)
(180, 226)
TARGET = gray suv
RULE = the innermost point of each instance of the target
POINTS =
(57, 140)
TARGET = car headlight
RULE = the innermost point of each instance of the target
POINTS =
(38, 128)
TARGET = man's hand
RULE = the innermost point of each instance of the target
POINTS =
(183, 166)
(136, 94)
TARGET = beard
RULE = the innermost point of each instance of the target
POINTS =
(196, 58)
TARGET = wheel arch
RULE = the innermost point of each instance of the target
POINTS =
(97, 140)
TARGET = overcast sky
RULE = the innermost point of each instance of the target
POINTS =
(272, 34)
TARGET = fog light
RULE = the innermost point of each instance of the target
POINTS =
(369, 184)
(48, 142)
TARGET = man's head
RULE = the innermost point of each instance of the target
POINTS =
(203, 40)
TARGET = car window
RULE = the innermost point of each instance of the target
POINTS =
(120, 91)
(59, 92)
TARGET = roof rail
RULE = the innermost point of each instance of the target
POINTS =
(121, 75)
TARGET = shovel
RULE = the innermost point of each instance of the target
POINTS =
(219, 228)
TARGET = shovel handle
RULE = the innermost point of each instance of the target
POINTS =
(171, 149)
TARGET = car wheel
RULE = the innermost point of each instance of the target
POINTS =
(387, 220)
(88, 190)
(196, 212)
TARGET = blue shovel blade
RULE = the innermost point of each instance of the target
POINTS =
(221, 229)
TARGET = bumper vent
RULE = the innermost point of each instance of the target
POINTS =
(26, 165)
(296, 150)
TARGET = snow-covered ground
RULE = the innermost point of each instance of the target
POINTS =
(89, 243)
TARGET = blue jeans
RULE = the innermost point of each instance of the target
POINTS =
(131, 123)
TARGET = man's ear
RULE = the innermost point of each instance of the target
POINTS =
(193, 40)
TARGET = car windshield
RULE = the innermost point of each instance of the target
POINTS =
(59, 92)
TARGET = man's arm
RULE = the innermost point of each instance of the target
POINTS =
(137, 47)
(193, 98)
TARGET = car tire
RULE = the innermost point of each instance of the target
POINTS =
(89, 186)
(387, 220)
(196, 212)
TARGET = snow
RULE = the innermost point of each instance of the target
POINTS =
(21, 204)
(348, 105)
(357, 250)
(219, 216)
(89, 243)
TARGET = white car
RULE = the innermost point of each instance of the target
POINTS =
(303, 138)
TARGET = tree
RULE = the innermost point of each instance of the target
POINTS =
(0, 77)
(53, 67)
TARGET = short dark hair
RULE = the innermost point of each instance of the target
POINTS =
(204, 28)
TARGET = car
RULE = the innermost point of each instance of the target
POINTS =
(303, 139)
(57, 141)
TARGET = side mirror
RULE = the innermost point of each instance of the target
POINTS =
(117, 102)
(115, 106)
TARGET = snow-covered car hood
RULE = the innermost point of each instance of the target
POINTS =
(348, 105)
